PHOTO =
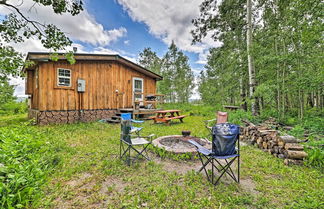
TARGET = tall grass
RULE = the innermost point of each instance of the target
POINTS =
(26, 158)
(13, 108)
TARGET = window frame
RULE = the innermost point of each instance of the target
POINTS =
(58, 76)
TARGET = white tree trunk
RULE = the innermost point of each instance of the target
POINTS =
(250, 58)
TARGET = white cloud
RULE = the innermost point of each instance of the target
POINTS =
(82, 27)
(103, 50)
(126, 42)
(170, 20)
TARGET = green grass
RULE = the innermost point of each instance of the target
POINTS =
(89, 174)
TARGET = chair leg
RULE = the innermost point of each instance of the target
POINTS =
(238, 169)
(224, 170)
(125, 153)
(230, 172)
(129, 155)
(140, 153)
(204, 165)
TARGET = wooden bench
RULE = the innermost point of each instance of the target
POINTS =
(176, 117)
(165, 116)
(180, 117)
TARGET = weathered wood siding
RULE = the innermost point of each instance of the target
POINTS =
(102, 79)
(31, 87)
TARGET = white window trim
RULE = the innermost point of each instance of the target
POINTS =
(138, 79)
(59, 76)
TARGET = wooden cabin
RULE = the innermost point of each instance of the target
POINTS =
(93, 88)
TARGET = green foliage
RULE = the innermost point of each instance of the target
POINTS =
(287, 50)
(315, 157)
(13, 108)
(298, 131)
(177, 84)
(178, 78)
(6, 92)
(16, 27)
(150, 60)
(10, 61)
(26, 159)
(162, 153)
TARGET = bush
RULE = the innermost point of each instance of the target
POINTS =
(26, 158)
(13, 108)
(315, 158)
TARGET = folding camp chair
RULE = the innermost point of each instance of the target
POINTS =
(134, 129)
(129, 142)
(225, 147)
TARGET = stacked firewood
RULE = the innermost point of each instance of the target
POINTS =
(286, 147)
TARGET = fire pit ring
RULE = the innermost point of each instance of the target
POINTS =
(179, 144)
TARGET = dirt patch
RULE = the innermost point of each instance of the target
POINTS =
(113, 183)
(178, 167)
(249, 186)
(79, 181)
(85, 191)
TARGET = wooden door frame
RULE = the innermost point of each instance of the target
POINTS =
(133, 88)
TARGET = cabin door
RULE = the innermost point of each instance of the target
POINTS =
(138, 90)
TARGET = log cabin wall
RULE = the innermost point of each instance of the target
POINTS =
(31, 87)
(102, 79)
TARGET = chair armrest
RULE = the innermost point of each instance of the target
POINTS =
(137, 121)
(208, 121)
(149, 136)
(132, 135)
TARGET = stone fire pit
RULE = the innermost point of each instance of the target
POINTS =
(179, 144)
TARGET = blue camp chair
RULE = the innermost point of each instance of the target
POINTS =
(225, 146)
(134, 129)
(130, 144)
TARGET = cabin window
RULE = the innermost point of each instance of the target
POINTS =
(63, 77)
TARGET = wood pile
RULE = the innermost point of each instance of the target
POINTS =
(269, 140)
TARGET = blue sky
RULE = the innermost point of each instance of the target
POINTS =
(122, 27)
(137, 38)
(112, 15)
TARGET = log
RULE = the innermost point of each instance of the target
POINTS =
(267, 132)
(281, 150)
(294, 146)
(281, 156)
(287, 139)
(271, 151)
(265, 145)
(276, 149)
(290, 139)
(287, 128)
(293, 162)
(291, 154)
(248, 122)
(259, 140)
(281, 144)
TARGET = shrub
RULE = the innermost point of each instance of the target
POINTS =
(26, 157)
(315, 158)
(13, 108)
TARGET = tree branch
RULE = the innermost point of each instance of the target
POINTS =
(34, 23)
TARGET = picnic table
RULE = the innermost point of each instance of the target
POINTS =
(165, 116)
